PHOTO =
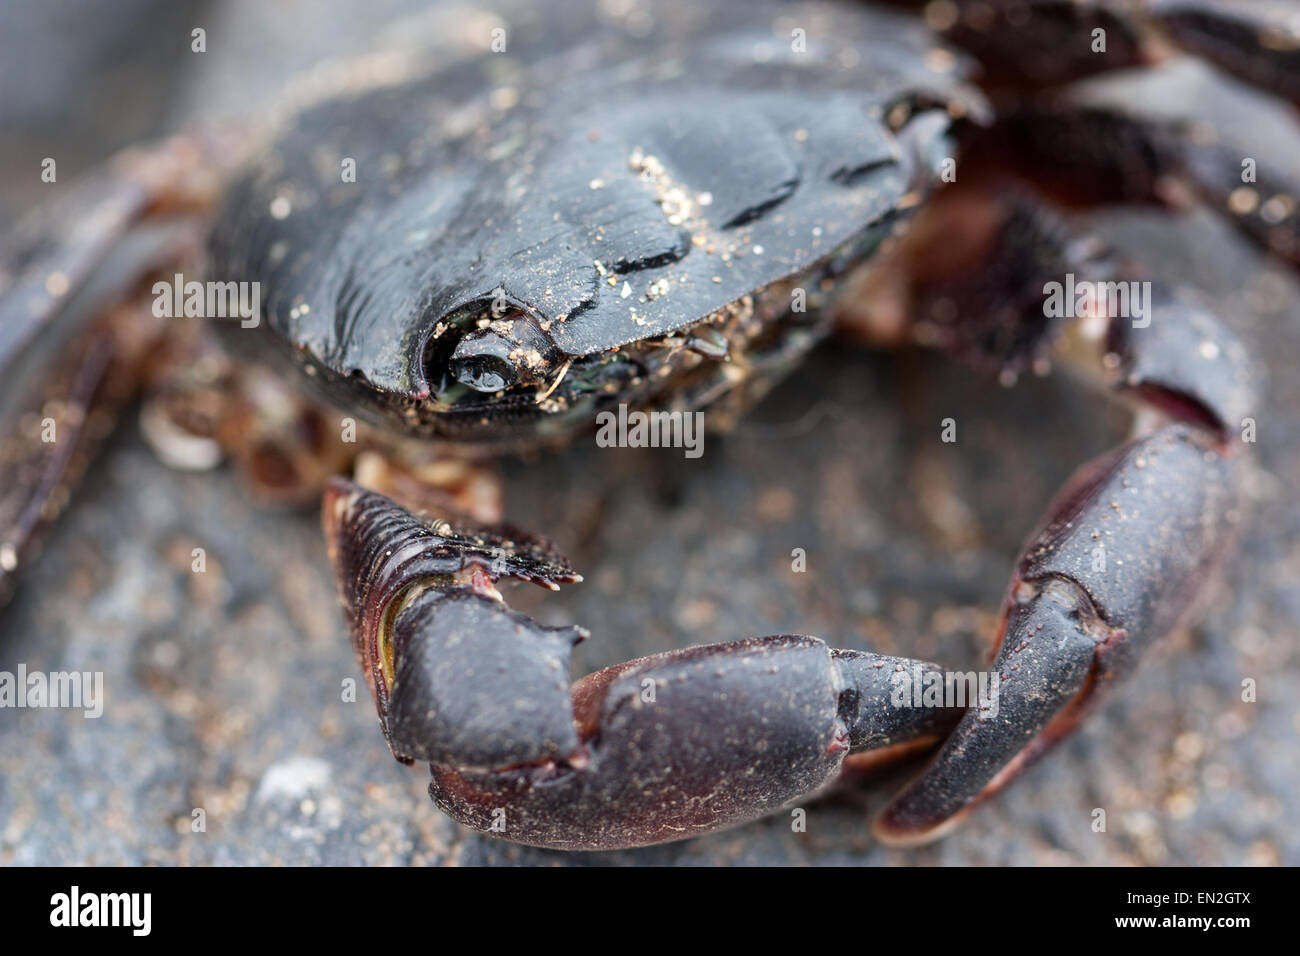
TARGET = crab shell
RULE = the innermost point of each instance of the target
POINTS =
(562, 223)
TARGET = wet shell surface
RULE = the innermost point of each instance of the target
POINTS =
(518, 216)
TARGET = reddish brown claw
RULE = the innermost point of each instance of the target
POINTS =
(1127, 548)
(656, 749)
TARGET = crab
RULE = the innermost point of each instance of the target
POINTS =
(662, 209)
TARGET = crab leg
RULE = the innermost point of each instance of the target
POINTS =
(74, 333)
(1129, 545)
(1085, 122)
(1033, 44)
(1125, 552)
(656, 749)
(1257, 41)
(53, 429)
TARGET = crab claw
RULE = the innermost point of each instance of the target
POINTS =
(477, 683)
(1045, 668)
(1125, 553)
(455, 674)
(656, 749)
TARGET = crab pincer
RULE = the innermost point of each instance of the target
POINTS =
(1124, 556)
(655, 749)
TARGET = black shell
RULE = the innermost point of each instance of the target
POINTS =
(573, 163)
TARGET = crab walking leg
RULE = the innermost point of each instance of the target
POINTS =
(1114, 139)
(1122, 559)
(75, 244)
(51, 430)
(1148, 120)
(1257, 40)
(75, 331)
(1032, 44)
(657, 749)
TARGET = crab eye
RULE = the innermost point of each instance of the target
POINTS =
(482, 361)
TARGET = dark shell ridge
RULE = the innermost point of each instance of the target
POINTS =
(617, 191)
